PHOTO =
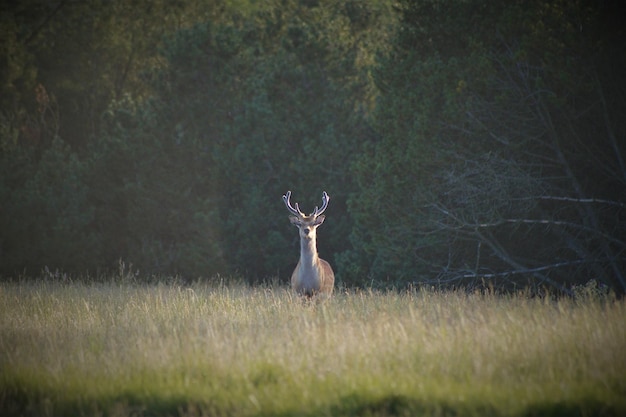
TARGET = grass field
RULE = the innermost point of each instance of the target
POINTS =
(121, 349)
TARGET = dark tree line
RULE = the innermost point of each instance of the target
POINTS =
(462, 142)
(501, 150)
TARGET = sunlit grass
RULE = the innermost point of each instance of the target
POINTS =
(123, 349)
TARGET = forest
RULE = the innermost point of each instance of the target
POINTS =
(463, 143)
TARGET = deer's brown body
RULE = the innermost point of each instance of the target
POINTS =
(313, 275)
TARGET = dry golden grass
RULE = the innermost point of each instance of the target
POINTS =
(123, 349)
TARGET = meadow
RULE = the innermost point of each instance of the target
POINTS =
(120, 349)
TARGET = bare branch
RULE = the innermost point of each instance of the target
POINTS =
(609, 128)
(530, 270)
(47, 20)
(591, 230)
(503, 255)
(573, 200)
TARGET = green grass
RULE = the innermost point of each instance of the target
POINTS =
(121, 349)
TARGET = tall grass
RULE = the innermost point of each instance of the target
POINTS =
(123, 349)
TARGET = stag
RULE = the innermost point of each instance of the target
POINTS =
(313, 276)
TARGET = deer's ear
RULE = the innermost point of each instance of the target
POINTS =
(319, 220)
(294, 220)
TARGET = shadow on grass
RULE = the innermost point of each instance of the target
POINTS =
(24, 405)
(584, 408)
(18, 403)
(399, 405)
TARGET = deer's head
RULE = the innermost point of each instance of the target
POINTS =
(307, 225)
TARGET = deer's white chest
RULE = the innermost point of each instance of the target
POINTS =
(309, 276)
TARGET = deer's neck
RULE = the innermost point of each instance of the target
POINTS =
(309, 277)
(308, 253)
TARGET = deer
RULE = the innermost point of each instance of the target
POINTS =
(313, 276)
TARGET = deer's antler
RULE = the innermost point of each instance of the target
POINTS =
(325, 200)
(295, 211)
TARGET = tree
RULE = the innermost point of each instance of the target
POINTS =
(248, 105)
(489, 163)
(45, 216)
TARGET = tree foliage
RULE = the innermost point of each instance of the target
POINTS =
(461, 142)
(497, 157)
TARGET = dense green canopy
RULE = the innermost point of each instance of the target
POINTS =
(461, 142)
